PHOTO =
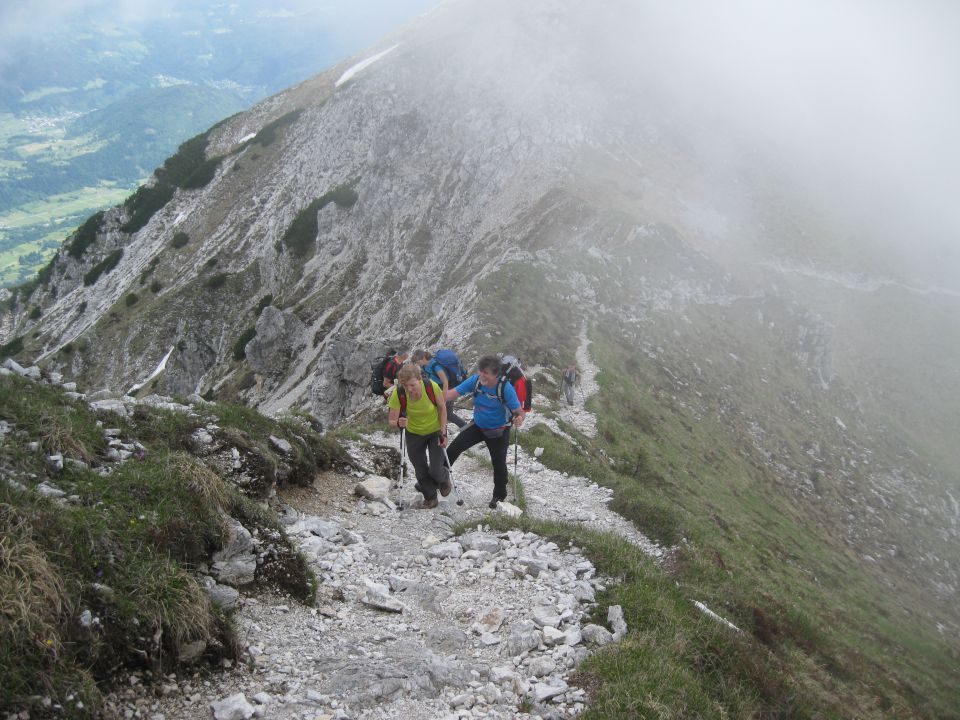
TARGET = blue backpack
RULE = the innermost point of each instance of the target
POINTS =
(448, 361)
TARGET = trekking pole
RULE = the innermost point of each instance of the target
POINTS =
(450, 475)
(399, 485)
(516, 442)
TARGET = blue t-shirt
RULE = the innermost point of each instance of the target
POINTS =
(488, 412)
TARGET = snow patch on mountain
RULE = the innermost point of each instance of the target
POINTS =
(363, 64)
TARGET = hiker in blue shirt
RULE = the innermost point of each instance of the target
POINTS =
(436, 372)
(495, 408)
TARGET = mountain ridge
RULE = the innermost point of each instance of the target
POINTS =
(422, 203)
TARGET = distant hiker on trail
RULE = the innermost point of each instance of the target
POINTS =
(492, 418)
(416, 406)
(446, 376)
(390, 370)
(571, 378)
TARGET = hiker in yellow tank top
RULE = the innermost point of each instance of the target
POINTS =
(425, 421)
(423, 417)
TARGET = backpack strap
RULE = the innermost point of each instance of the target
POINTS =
(402, 396)
(391, 368)
(501, 381)
(431, 369)
(428, 386)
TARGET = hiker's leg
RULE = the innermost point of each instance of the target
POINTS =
(465, 439)
(498, 448)
(417, 452)
(453, 417)
(438, 465)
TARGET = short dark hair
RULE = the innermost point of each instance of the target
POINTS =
(489, 362)
(410, 371)
(419, 355)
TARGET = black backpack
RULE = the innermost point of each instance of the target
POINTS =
(377, 368)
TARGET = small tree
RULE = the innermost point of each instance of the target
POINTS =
(103, 267)
(216, 281)
(240, 346)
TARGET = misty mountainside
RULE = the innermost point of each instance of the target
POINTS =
(496, 177)
(91, 102)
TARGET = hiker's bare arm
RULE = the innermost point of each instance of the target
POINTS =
(518, 417)
(395, 420)
(450, 394)
(442, 411)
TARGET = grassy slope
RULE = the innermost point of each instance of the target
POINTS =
(52, 179)
(141, 531)
(825, 631)
(777, 564)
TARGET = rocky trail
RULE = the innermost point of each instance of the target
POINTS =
(413, 622)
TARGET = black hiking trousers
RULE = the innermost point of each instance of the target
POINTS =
(498, 447)
(429, 466)
(453, 417)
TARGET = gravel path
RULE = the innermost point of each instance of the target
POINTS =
(413, 622)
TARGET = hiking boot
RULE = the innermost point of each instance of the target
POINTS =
(429, 503)
(493, 503)
(445, 487)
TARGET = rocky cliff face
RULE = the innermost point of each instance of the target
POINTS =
(365, 205)
(417, 195)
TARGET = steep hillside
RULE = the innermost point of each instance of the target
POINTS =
(774, 402)
(94, 97)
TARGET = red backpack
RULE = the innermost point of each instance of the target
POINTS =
(510, 371)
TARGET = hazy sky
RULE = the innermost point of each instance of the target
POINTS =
(352, 23)
(860, 98)
(34, 16)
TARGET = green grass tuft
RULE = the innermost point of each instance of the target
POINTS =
(103, 267)
(239, 347)
(301, 236)
(126, 546)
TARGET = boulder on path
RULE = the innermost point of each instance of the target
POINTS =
(375, 487)
(234, 707)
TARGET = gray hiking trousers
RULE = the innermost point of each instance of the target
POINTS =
(428, 462)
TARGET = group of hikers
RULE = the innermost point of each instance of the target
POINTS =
(421, 389)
